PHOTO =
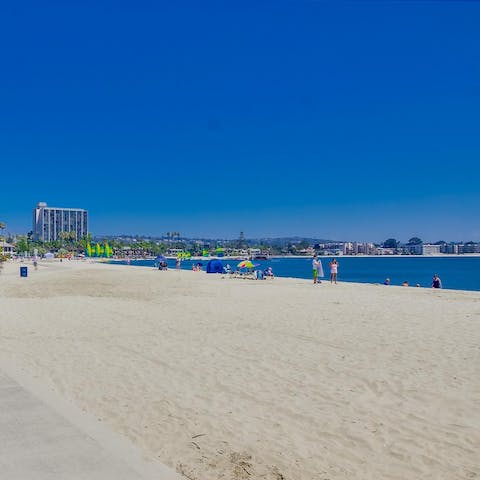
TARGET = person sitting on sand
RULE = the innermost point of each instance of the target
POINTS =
(436, 282)
(268, 272)
(405, 284)
(387, 281)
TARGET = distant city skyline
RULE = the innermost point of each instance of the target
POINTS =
(181, 234)
(353, 121)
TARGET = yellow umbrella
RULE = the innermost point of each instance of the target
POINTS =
(245, 264)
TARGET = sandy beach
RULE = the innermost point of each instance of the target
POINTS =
(237, 379)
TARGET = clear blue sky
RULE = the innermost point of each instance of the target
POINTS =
(345, 120)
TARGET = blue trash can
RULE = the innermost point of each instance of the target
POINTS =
(24, 271)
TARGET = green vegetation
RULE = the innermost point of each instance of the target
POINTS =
(415, 241)
(391, 243)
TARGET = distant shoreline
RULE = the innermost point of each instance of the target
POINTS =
(441, 255)
(239, 258)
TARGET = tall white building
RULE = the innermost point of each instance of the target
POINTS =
(428, 249)
(49, 222)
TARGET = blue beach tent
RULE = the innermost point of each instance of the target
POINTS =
(214, 266)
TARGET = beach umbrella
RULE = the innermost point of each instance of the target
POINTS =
(245, 264)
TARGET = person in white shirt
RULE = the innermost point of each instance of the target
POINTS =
(333, 270)
(317, 269)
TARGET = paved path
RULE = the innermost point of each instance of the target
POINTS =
(39, 443)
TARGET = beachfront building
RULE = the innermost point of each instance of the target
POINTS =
(430, 249)
(450, 248)
(6, 249)
(50, 222)
(385, 251)
(469, 247)
(413, 248)
(359, 248)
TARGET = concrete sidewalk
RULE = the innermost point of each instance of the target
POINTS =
(38, 442)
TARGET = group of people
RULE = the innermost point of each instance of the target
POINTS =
(316, 266)
(318, 270)
(258, 274)
(267, 273)
(318, 274)
(436, 282)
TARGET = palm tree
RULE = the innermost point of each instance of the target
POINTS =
(63, 237)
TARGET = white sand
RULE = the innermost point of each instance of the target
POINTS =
(236, 379)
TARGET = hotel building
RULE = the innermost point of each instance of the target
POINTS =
(49, 222)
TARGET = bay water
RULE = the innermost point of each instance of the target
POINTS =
(459, 273)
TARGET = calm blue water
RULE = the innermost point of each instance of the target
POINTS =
(459, 273)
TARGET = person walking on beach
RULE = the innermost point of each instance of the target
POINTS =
(178, 263)
(436, 282)
(333, 271)
(317, 269)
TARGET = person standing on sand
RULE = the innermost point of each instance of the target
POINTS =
(333, 271)
(317, 269)
(436, 282)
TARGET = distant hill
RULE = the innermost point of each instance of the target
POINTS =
(266, 240)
